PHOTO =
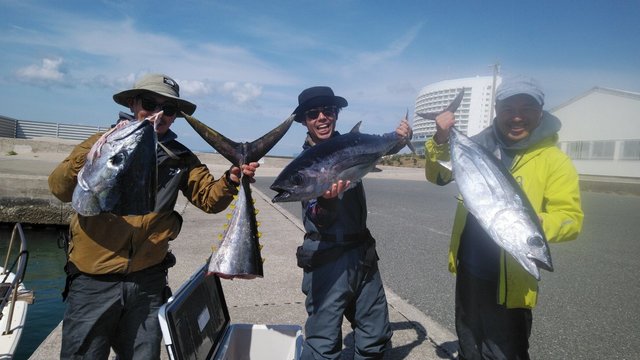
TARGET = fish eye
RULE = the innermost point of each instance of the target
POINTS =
(298, 179)
(117, 159)
(535, 241)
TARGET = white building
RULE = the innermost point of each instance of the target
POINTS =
(601, 132)
(474, 114)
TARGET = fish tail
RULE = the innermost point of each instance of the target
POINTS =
(240, 153)
(453, 106)
(228, 148)
(255, 150)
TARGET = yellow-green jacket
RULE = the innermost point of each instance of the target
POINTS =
(550, 180)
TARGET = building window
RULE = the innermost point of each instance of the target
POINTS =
(578, 150)
(603, 150)
(630, 150)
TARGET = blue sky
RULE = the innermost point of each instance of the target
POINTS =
(245, 62)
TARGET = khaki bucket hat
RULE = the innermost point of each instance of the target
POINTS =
(159, 84)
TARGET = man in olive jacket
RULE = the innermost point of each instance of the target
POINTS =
(117, 265)
(494, 294)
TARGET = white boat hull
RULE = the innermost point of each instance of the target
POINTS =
(9, 340)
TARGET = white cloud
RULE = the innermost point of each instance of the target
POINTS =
(193, 88)
(393, 50)
(48, 72)
(242, 93)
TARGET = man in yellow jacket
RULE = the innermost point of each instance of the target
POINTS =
(494, 294)
(117, 265)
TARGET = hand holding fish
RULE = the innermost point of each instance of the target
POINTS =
(444, 122)
(404, 129)
(247, 170)
(156, 119)
(336, 189)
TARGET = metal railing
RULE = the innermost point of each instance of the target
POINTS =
(26, 129)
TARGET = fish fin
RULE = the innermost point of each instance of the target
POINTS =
(356, 128)
(497, 153)
(409, 144)
(376, 169)
(446, 164)
(411, 147)
(226, 147)
(240, 153)
(428, 115)
(456, 102)
(260, 147)
(453, 106)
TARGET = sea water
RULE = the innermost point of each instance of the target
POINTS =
(45, 277)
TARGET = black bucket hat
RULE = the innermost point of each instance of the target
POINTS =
(314, 97)
(158, 84)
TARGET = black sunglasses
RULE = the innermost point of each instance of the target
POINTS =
(328, 111)
(150, 104)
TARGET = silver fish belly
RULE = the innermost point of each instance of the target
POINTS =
(239, 253)
(502, 209)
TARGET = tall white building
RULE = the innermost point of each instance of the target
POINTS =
(473, 115)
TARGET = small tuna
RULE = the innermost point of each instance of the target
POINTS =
(120, 173)
(493, 196)
(344, 157)
(238, 255)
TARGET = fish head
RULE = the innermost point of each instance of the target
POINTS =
(295, 185)
(535, 255)
(119, 167)
(539, 251)
(120, 149)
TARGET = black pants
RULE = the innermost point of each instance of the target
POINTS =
(114, 311)
(485, 329)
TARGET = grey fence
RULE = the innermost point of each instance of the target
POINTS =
(25, 129)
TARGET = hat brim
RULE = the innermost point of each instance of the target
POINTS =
(123, 97)
(338, 101)
(538, 97)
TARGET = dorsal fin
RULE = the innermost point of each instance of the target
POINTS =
(356, 128)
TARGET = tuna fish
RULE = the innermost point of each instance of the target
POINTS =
(238, 255)
(493, 196)
(120, 173)
(344, 157)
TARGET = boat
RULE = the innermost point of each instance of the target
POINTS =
(14, 296)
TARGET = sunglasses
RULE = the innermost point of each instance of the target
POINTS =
(328, 111)
(149, 104)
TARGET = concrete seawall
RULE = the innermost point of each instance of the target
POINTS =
(24, 192)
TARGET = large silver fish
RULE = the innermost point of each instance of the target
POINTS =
(493, 196)
(344, 157)
(238, 255)
(120, 173)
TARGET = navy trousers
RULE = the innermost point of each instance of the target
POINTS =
(345, 287)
